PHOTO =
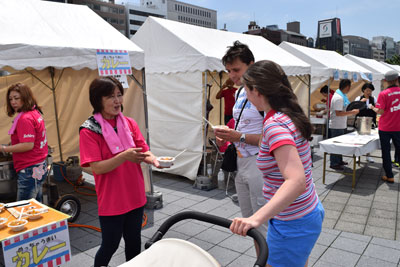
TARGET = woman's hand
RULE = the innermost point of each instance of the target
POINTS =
(364, 100)
(134, 155)
(240, 226)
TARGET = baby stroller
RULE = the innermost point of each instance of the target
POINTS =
(177, 252)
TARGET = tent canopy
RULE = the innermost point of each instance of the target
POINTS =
(371, 64)
(177, 47)
(324, 62)
(395, 67)
(38, 34)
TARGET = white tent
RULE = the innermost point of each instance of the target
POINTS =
(51, 47)
(394, 67)
(327, 67)
(180, 60)
(378, 68)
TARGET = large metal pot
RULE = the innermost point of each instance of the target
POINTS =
(8, 180)
(363, 125)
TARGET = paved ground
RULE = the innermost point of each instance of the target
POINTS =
(361, 227)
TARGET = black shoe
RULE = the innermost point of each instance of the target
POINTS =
(337, 167)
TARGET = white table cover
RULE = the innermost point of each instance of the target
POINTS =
(351, 144)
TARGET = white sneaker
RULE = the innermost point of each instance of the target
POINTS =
(370, 160)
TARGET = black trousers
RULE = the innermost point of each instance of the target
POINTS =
(385, 138)
(128, 226)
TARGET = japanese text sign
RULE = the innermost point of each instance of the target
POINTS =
(46, 246)
(113, 62)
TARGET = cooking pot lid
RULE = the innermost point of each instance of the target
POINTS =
(356, 105)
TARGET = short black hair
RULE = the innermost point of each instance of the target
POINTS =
(238, 50)
(344, 83)
(324, 89)
(367, 85)
(103, 86)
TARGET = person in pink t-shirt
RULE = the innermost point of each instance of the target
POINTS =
(113, 147)
(388, 105)
(28, 141)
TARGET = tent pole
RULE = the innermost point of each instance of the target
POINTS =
(205, 128)
(329, 109)
(53, 89)
(309, 95)
(146, 119)
(154, 198)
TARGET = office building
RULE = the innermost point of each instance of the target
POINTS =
(137, 14)
(276, 35)
(357, 46)
(110, 12)
(386, 44)
(330, 35)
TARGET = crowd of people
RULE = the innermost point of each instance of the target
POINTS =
(271, 133)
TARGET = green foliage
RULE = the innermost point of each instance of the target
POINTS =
(395, 60)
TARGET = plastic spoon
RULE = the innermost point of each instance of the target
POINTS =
(208, 122)
(180, 153)
(20, 215)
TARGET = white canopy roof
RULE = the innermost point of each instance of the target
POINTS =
(39, 34)
(395, 67)
(172, 47)
(324, 62)
(371, 64)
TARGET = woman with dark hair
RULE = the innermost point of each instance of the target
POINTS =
(293, 210)
(28, 141)
(113, 147)
(369, 101)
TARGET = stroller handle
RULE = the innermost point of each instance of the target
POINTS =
(257, 236)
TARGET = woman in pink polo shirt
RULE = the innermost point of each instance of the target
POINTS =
(28, 141)
(293, 210)
(113, 147)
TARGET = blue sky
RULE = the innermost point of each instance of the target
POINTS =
(366, 18)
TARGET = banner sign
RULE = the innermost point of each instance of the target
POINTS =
(113, 62)
(336, 75)
(345, 75)
(46, 246)
(355, 77)
(325, 29)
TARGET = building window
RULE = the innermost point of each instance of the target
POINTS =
(132, 32)
(121, 21)
(176, 7)
(104, 9)
(144, 14)
(96, 7)
(114, 21)
(135, 22)
(121, 11)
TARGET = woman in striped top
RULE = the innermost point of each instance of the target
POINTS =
(293, 211)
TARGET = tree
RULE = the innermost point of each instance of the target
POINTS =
(395, 60)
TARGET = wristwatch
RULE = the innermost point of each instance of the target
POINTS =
(242, 138)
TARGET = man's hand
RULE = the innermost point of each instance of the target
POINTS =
(228, 134)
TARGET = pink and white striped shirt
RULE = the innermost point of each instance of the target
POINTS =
(279, 130)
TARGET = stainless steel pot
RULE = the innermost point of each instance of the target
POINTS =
(8, 180)
(363, 125)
